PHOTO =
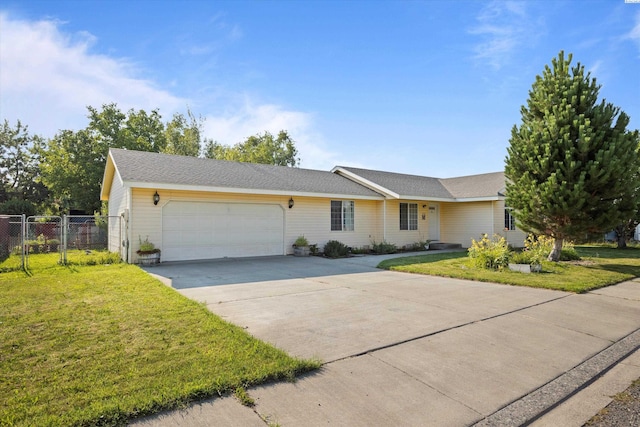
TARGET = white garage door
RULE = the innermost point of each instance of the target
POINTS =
(197, 230)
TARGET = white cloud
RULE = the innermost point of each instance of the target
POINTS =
(503, 26)
(634, 34)
(249, 118)
(49, 77)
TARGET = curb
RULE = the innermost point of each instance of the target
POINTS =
(544, 399)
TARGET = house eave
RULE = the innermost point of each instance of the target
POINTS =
(107, 178)
(228, 190)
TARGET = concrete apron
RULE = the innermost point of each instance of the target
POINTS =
(402, 349)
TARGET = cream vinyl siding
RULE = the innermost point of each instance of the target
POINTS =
(310, 216)
(116, 207)
(516, 237)
(461, 222)
(399, 237)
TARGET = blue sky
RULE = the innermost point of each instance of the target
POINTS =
(423, 87)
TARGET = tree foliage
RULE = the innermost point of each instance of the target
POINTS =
(19, 167)
(572, 166)
(260, 148)
(72, 168)
(182, 136)
(66, 171)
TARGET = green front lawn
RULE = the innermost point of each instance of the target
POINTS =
(86, 345)
(600, 266)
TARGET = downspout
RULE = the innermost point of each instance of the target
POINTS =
(128, 223)
(493, 218)
(384, 220)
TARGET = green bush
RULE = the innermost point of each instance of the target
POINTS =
(335, 249)
(301, 241)
(569, 253)
(491, 254)
(524, 257)
(541, 246)
(383, 248)
(360, 250)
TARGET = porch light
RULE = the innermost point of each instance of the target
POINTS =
(156, 198)
(290, 202)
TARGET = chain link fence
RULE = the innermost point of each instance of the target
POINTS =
(22, 238)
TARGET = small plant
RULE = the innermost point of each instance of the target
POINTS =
(490, 254)
(360, 250)
(540, 247)
(301, 241)
(53, 245)
(524, 257)
(383, 248)
(313, 249)
(335, 249)
(146, 247)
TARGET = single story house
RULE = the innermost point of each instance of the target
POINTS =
(194, 208)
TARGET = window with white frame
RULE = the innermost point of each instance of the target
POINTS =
(509, 220)
(342, 215)
(408, 216)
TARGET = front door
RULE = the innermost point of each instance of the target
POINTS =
(434, 222)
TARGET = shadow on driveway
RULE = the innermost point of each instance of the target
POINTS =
(230, 271)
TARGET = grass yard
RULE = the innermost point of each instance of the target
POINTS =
(600, 266)
(98, 345)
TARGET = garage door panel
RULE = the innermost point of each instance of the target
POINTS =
(198, 230)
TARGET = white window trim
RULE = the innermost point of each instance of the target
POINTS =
(347, 215)
(411, 211)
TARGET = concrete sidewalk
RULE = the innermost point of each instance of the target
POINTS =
(402, 349)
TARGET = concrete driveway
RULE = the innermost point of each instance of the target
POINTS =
(403, 349)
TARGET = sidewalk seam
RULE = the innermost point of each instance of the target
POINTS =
(545, 398)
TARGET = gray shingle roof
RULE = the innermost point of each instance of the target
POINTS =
(139, 166)
(483, 185)
(404, 185)
(407, 186)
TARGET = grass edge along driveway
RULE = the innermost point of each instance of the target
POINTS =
(600, 266)
(98, 345)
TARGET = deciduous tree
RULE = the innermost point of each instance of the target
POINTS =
(260, 148)
(183, 136)
(19, 166)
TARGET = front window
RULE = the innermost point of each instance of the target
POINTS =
(408, 216)
(342, 215)
(509, 220)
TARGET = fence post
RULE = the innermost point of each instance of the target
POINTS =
(23, 235)
(65, 232)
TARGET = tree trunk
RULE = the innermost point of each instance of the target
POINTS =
(557, 249)
(622, 241)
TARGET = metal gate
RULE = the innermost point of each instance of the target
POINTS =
(43, 235)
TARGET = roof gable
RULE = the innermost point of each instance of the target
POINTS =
(489, 186)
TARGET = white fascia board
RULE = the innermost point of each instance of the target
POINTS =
(427, 199)
(360, 180)
(184, 187)
(107, 178)
(459, 200)
(479, 199)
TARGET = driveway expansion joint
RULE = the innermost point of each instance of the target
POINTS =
(451, 328)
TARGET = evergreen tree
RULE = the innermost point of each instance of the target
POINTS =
(572, 166)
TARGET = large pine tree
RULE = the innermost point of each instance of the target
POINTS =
(572, 166)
